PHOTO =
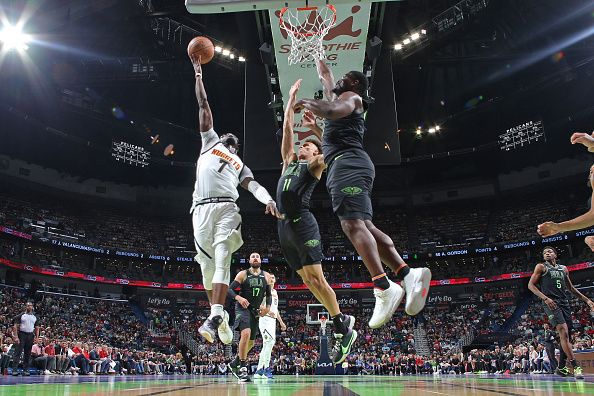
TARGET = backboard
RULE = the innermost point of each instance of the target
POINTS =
(219, 6)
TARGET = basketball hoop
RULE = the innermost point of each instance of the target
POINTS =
(323, 323)
(307, 27)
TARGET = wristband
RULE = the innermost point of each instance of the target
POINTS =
(198, 75)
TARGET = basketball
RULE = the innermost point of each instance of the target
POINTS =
(201, 46)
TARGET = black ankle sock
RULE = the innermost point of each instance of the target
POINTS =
(243, 363)
(235, 362)
(403, 272)
(574, 363)
(381, 283)
(339, 325)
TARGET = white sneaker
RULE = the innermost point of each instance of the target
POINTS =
(224, 331)
(386, 302)
(47, 372)
(416, 284)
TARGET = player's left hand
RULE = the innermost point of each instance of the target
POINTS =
(300, 105)
(283, 327)
(295, 88)
(196, 63)
(548, 229)
(271, 209)
(309, 120)
(264, 311)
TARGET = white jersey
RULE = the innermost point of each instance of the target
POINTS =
(218, 170)
(274, 304)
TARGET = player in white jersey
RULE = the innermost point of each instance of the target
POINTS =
(215, 216)
(267, 324)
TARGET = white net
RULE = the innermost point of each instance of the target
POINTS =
(307, 27)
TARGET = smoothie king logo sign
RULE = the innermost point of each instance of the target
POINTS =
(345, 51)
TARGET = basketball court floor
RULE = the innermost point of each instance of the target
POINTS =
(509, 385)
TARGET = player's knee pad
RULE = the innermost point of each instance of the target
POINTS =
(208, 270)
(222, 263)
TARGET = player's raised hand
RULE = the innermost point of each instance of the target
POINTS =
(548, 229)
(196, 63)
(295, 88)
(242, 301)
(583, 138)
(300, 105)
(271, 209)
(309, 120)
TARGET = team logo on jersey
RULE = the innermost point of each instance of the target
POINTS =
(312, 243)
(352, 190)
(551, 317)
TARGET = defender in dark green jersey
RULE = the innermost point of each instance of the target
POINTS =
(550, 282)
(298, 230)
(255, 289)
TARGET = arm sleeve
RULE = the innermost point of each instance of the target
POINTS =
(268, 296)
(259, 192)
(231, 291)
(209, 138)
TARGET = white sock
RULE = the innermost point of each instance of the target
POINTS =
(216, 309)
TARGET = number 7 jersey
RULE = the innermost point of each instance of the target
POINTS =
(218, 170)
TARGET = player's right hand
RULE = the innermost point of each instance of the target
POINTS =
(271, 209)
(242, 301)
(548, 229)
(551, 304)
(196, 63)
(309, 120)
(590, 242)
(583, 138)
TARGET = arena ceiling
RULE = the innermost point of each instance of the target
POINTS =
(518, 60)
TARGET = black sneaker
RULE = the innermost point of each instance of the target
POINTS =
(342, 346)
(243, 375)
(349, 321)
(233, 369)
(563, 372)
(208, 330)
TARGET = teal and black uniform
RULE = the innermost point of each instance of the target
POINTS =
(553, 284)
(253, 289)
(350, 170)
(298, 232)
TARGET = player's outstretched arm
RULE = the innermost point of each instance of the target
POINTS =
(327, 79)
(287, 151)
(532, 286)
(576, 292)
(586, 220)
(247, 181)
(204, 115)
(583, 138)
(346, 103)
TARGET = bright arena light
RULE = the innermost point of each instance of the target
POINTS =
(415, 36)
(431, 130)
(13, 38)
(226, 52)
(232, 56)
(241, 59)
(218, 49)
(406, 41)
(398, 47)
